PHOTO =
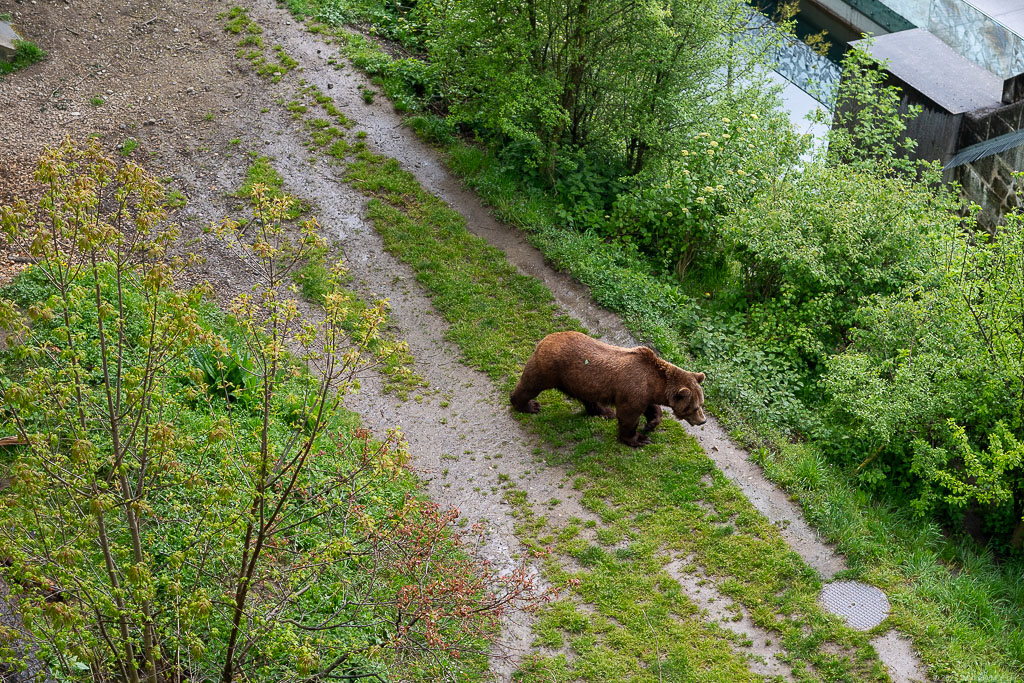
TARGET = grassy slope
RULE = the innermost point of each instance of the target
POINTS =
(965, 623)
(643, 499)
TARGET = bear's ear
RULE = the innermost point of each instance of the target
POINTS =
(699, 377)
(682, 394)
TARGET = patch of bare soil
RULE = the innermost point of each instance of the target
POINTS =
(168, 78)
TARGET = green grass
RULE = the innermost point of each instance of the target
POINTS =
(237, 20)
(326, 102)
(128, 146)
(176, 199)
(494, 311)
(251, 46)
(261, 171)
(26, 53)
(646, 499)
(313, 280)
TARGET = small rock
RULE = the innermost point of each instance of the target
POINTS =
(151, 122)
(330, 85)
(7, 38)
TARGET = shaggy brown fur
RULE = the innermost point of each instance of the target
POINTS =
(635, 381)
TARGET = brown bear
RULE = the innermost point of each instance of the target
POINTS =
(635, 381)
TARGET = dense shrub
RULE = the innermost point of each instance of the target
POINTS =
(931, 392)
(615, 81)
(673, 210)
(811, 247)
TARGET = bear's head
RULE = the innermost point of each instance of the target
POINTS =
(687, 399)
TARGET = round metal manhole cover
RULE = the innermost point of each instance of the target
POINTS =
(863, 606)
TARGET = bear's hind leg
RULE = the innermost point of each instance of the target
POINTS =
(598, 410)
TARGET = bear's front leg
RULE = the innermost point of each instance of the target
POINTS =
(653, 415)
(628, 420)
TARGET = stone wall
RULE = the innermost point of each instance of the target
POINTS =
(989, 182)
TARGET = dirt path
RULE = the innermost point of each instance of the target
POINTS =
(169, 78)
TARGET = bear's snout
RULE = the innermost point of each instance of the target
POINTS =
(694, 415)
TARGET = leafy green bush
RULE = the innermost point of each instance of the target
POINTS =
(673, 210)
(931, 391)
(612, 81)
(224, 374)
(812, 247)
(868, 128)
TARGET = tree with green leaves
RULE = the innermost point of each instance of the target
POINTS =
(191, 500)
(615, 81)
